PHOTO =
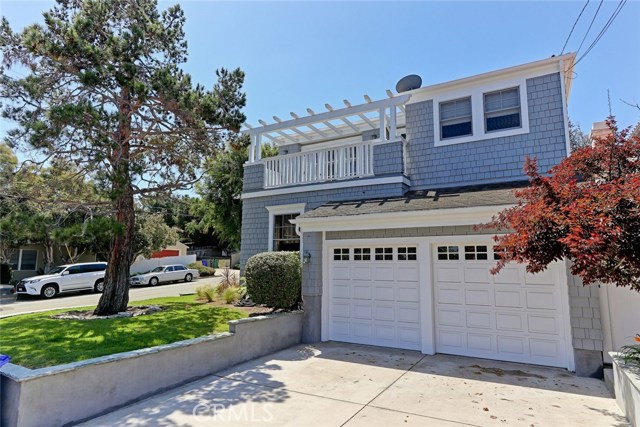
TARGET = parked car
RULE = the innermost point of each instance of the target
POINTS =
(65, 278)
(165, 274)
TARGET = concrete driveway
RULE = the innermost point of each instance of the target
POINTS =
(332, 384)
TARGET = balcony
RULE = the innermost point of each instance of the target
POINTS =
(331, 164)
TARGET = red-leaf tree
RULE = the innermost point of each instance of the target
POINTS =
(586, 209)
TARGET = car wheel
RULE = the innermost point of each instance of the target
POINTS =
(188, 277)
(99, 286)
(153, 281)
(49, 291)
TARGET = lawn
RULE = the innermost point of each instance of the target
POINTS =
(36, 340)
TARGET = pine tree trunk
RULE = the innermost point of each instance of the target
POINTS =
(115, 297)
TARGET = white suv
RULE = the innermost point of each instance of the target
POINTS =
(65, 278)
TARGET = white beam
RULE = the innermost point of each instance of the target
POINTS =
(367, 98)
(362, 116)
(390, 95)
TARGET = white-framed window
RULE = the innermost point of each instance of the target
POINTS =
(283, 235)
(475, 252)
(407, 254)
(448, 253)
(24, 260)
(362, 254)
(455, 118)
(341, 254)
(506, 112)
(502, 109)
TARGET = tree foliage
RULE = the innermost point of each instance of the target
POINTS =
(105, 92)
(586, 210)
(577, 138)
(219, 210)
(152, 234)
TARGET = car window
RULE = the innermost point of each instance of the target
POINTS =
(98, 267)
(169, 269)
(157, 269)
(57, 270)
(76, 269)
(179, 268)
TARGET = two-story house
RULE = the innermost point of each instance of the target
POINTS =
(382, 200)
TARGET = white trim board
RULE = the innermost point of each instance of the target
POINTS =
(282, 210)
(327, 186)
(425, 218)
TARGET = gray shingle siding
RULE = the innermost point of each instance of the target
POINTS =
(457, 230)
(491, 160)
(255, 217)
(387, 159)
(253, 178)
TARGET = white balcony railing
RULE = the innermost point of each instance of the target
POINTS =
(350, 161)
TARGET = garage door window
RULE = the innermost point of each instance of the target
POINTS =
(341, 254)
(384, 254)
(362, 254)
(475, 253)
(448, 253)
(407, 254)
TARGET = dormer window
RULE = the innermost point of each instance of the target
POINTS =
(502, 109)
(455, 118)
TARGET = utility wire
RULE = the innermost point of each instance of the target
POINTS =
(590, 25)
(574, 26)
(615, 14)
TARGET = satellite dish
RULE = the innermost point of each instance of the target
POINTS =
(409, 82)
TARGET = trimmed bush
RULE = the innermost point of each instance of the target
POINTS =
(203, 270)
(274, 279)
(231, 295)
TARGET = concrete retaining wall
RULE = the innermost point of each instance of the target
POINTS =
(626, 380)
(70, 393)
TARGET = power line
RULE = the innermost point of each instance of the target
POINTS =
(574, 26)
(590, 25)
(614, 15)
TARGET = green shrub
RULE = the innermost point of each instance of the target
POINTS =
(229, 280)
(274, 279)
(203, 270)
(206, 292)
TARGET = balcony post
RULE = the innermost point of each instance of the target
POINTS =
(258, 146)
(393, 128)
(383, 126)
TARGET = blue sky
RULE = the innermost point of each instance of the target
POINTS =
(305, 54)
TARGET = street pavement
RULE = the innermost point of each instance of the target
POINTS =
(10, 305)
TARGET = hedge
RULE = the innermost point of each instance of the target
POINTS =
(274, 279)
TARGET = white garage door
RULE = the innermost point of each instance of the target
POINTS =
(374, 293)
(512, 316)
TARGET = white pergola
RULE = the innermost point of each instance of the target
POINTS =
(384, 115)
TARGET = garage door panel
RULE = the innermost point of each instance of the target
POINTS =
(509, 276)
(341, 309)
(341, 272)
(510, 322)
(407, 293)
(408, 312)
(384, 292)
(512, 345)
(376, 301)
(512, 316)
(509, 298)
(410, 337)
(480, 342)
(383, 273)
(545, 277)
(541, 300)
(544, 324)
(384, 312)
(362, 272)
(361, 311)
(341, 291)
(361, 291)
(451, 317)
(361, 329)
(407, 273)
(476, 275)
(479, 319)
(478, 297)
(450, 296)
(448, 274)
(545, 348)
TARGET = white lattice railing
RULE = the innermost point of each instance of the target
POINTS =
(350, 161)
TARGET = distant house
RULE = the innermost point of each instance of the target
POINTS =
(382, 199)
